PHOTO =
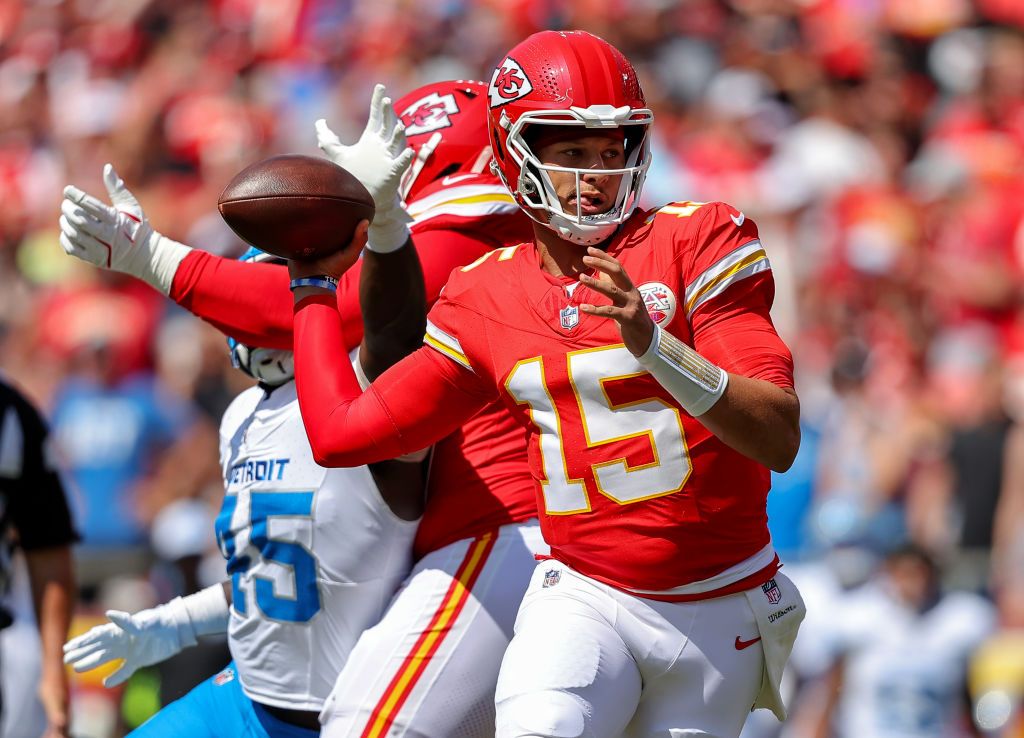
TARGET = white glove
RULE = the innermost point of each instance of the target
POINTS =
(149, 636)
(118, 237)
(378, 159)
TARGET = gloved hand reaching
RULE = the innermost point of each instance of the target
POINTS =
(118, 236)
(378, 159)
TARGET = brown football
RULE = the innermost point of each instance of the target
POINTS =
(295, 207)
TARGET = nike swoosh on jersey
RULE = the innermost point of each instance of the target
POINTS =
(738, 219)
(740, 645)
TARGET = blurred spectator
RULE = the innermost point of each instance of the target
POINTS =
(867, 450)
(110, 429)
(955, 497)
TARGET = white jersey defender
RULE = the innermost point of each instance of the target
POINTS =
(314, 554)
(905, 671)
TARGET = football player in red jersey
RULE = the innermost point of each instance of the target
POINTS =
(661, 610)
(429, 668)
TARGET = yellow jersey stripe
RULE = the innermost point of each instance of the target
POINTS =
(447, 351)
(490, 197)
(753, 264)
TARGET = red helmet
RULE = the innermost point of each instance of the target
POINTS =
(567, 78)
(445, 124)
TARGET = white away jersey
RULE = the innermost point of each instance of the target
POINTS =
(905, 672)
(314, 554)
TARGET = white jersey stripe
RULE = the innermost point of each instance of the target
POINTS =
(465, 200)
(446, 344)
(741, 263)
(469, 209)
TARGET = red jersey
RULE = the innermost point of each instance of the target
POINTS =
(479, 478)
(634, 491)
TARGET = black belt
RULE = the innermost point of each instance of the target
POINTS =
(301, 718)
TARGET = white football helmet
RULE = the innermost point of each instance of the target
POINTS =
(272, 367)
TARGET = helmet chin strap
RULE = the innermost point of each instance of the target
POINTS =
(583, 234)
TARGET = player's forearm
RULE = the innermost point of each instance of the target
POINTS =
(394, 309)
(759, 419)
(347, 427)
(252, 303)
(53, 586)
(754, 416)
(759, 413)
(249, 302)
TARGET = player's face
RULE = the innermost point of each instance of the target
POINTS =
(910, 580)
(597, 191)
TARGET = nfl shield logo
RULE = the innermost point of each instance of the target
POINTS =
(551, 577)
(224, 677)
(569, 317)
(771, 591)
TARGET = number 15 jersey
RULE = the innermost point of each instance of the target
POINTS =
(633, 491)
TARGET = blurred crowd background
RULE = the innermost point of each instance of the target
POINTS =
(879, 144)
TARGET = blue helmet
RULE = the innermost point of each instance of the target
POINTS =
(270, 366)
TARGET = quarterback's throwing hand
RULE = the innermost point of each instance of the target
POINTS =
(332, 265)
(627, 308)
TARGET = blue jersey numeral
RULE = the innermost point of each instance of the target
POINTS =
(265, 505)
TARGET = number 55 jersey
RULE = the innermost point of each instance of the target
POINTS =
(314, 554)
(634, 492)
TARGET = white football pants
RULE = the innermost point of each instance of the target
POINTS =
(429, 668)
(591, 661)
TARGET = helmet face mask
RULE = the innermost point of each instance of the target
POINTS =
(423, 154)
(537, 190)
(567, 79)
(272, 367)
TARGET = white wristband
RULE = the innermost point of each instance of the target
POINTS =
(389, 230)
(692, 380)
(203, 613)
(158, 263)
